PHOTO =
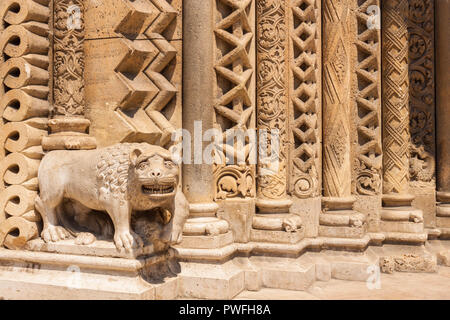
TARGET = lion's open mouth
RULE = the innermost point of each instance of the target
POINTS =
(159, 189)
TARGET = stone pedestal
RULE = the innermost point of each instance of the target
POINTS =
(64, 275)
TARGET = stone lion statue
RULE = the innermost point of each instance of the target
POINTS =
(117, 180)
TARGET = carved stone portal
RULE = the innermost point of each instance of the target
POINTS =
(159, 149)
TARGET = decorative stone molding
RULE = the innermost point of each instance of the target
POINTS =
(368, 101)
(24, 108)
(140, 45)
(272, 95)
(68, 127)
(422, 90)
(305, 98)
(395, 95)
(235, 87)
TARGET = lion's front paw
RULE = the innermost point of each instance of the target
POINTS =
(127, 240)
(54, 234)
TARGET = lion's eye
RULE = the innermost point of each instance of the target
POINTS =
(169, 164)
(142, 165)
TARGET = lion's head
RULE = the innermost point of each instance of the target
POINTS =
(153, 174)
(144, 174)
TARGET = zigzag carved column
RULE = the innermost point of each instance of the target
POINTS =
(400, 221)
(235, 109)
(367, 111)
(24, 107)
(337, 218)
(443, 116)
(305, 100)
(68, 126)
(203, 229)
(272, 121)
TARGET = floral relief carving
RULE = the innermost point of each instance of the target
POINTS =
(68, 59)
(421, 78)
(272, 93)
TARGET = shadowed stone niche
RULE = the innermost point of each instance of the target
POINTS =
(164, 149)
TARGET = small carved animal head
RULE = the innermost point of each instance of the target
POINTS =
(153, 175)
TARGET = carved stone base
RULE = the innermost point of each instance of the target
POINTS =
(68, 134)
(27, 275)
(97, 249)
(203, 229)
(210, 281)
(400, 222)
(277, 236)
(39, 275)
(277, 228)
(207, 241)
(443, 214)
(339, 220)
(395, 258)
(341, 232)
(441, 249)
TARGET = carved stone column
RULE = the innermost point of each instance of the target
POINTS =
(198, 94)
(443, 115)
(422, 107)
(67, 124)
(305, 117)
(338, 218)
(367, 111)
(272, 122)
(400, 221)
(234, 112)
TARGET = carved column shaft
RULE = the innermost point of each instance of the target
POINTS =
(400, 221)
(68, 126)
(305, 98)
(422, 107)
(272, 70)
(305, 117)
(336, 100)
(443, 110)
(338, 218)
(234, 30)
(396, 98)
(367, 111)
(272, 104)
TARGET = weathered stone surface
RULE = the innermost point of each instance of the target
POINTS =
(200, 148)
